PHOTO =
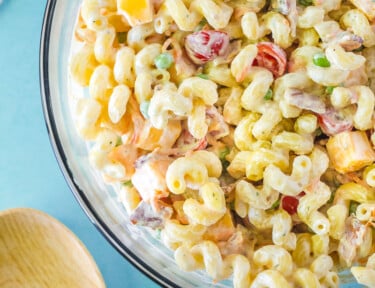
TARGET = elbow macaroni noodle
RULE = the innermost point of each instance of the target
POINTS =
(193, 109)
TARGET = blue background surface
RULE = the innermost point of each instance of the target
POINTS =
(29, 174)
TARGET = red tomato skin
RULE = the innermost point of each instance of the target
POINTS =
(290, 203)
(206, 45)
(331, 123)
(271, 57)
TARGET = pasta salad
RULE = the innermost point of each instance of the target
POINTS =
(243, 130)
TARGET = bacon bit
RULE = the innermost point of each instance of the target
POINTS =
(349, 41)
(204, 46)
(290, 203)
(217, 127)
(145, 215)
(305, 100)
(271, 57)
(332, 122)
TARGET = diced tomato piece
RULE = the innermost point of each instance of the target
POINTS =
(271, 57)
(290, 203)
(206, 45)
(332, 122)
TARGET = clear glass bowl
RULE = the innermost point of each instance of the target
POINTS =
(99, 201)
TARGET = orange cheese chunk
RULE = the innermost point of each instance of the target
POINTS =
(221, 230)
(350, 151)
(137, 12)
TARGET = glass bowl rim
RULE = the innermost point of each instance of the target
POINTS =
(60, 156)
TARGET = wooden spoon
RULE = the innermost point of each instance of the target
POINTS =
(36, 250)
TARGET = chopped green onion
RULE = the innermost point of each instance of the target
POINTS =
(200, 25)
(305, 2)
(222, 156)
(203, 76)
(329, 89)
(164, 60)
(128, 183)
(144, 109)
(321, 60)
(268, 95)
(119, 141)
(121, 37)
(224, 153)
(353, 207)
(276, 204)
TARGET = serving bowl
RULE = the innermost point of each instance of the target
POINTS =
(138, 245)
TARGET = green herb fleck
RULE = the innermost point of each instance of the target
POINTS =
(164, 60)
(320, 59)
(144, 108)
(224, 153)
(318, 132)
(119, 141)
(222, 156)
(121, 37)
(329, 89)
(276, 204)
(200, 25)
(203, 76)
(128, 183)
(305, 2)
(268, 95)
(353, 207)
